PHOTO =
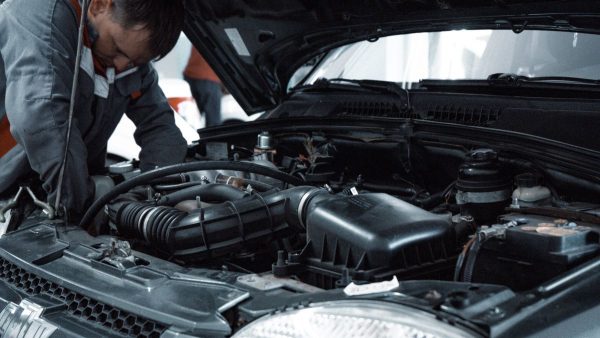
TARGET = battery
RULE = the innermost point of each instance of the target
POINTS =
(537, 250)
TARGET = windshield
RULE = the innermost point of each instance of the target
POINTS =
(463, 54)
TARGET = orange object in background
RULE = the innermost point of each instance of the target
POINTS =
(175, 101)
(197, 68)
(7, 141)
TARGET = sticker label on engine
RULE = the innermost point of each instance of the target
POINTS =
(368, 289)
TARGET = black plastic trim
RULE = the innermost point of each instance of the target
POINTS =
(82, 307)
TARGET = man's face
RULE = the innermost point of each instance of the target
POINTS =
(117, 46)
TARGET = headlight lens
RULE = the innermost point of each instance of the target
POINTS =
(351, 319)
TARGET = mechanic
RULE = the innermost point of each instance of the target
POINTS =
(38, 48)
(205, 86)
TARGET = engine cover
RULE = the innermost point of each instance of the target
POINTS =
(375, 236)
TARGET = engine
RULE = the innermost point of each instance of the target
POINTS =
(324, 213)
(365, 237)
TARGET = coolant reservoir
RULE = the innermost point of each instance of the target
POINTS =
(529, 192)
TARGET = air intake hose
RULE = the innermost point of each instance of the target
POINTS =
(215, 230)
(207, 192)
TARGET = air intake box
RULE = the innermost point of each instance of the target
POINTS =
(375, 236)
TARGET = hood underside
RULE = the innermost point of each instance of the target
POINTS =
(255, 46)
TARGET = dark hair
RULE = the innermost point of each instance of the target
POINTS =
(163, 19)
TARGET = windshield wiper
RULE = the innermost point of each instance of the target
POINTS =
(509, 78)
(378, 86)
(508, 82)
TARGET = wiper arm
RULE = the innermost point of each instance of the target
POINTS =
(509, 78)
(379, 86)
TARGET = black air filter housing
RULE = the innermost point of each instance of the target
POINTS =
(374, 236)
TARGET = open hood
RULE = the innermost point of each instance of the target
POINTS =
(255, 46)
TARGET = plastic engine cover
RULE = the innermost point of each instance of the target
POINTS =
(376, 232)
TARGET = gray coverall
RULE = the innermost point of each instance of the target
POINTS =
(38, 40)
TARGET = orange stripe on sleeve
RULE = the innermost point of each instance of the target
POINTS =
(136, 95)
(7, 141)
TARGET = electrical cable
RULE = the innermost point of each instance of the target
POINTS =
(461, 259)
(471, 258)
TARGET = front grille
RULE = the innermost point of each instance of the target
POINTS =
(80, 306)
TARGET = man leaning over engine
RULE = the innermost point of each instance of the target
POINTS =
(38, 46)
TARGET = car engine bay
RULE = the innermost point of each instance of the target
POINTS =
(256, 221)
(327, 211)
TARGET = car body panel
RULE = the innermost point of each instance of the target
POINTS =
(256, 47)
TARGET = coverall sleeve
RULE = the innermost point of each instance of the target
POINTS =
(39, 47)
(156, 133)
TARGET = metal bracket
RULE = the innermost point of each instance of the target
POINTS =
(49, 210)
(496, 230)
(118, 254)
(12, 203)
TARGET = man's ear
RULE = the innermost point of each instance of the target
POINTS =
(99, 7)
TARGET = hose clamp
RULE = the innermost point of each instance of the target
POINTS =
(303, 203)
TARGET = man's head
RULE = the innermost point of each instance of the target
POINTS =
(134, 32)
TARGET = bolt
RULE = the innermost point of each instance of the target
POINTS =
(344, 279)
(515, 203)
(279, 269)
(280, 258)
(495, 313)
(459, 299)
(433, 295)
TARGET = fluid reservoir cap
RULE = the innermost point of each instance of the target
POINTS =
(121, 167)
(264, 141)
(528, 180)
(482, 172)
(483, 154)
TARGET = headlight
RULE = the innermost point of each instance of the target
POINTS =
(351, 319)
